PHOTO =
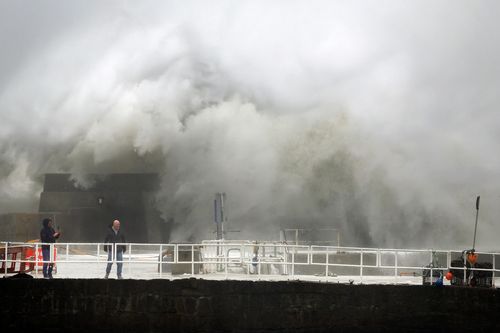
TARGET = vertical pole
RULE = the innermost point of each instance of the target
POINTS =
(475, 226)
(129, 258)
(36, 259)
(216, 219)
(192, 259)
(222, 217)
(219, 214)
(327, 263)
(250, 255)
(99, 252)
(361, 266)
(161, 259)
(448, 259)
(176, 253)
(258, 265)
(493, 277)
(226, 259)
(5, 258)
(431, 271)
(465, 269)
(395, 265)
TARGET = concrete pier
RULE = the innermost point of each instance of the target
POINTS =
(196, 305)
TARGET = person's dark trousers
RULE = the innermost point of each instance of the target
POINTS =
(119, 265)
(47, 267)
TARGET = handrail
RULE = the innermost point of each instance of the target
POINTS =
(250, 259)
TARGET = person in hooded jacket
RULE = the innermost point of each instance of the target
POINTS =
(47, 235)
(114, 236)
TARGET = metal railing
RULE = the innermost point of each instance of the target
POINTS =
(245, 260)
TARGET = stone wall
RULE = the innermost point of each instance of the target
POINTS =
(192, 305)
(20, 227)
(85, 214)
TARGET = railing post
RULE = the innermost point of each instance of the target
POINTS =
(176, 250)
(129, 258)
(51, 253)
(361, 266)
(99, 252)
(5, 258)
(36, 259)
(431, 266)
(309, 255)
(161, 260)
(448, 259)
(225, 257)
(465, 270)
(327, 271)
(493, 276)
(192, 259)
(258, 265)
(293, 263)
(396, 265)
(250, 255)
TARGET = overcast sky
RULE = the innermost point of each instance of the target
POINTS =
(379, 118)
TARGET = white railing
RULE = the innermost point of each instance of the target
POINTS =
(245, 260)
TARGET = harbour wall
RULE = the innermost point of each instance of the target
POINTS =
(196, 305)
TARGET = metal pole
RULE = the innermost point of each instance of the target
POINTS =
(327, 261)
(494, 269)
(5, 258)
(361, 266)
(129, 258)
(431, 277)
(396, 266)
(161, 259)
(475, 226)
(176, 253)
(36, 259)
(465, 269)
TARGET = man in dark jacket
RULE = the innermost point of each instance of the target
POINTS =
(47, 235)
(114, 236)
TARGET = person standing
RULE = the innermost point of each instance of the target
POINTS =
(47, 235)
(114, 236)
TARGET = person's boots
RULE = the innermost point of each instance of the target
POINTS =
(50, 273)
(120, 277)
(106, 276)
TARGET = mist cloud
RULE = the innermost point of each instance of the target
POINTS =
(376, 117)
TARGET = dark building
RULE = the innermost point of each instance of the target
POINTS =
(83, 214)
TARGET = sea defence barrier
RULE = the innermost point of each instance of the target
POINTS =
(198, 305)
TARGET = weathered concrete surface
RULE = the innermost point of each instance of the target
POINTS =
(20, 227)
(82, 217)
(192, 305)
(128, 197)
